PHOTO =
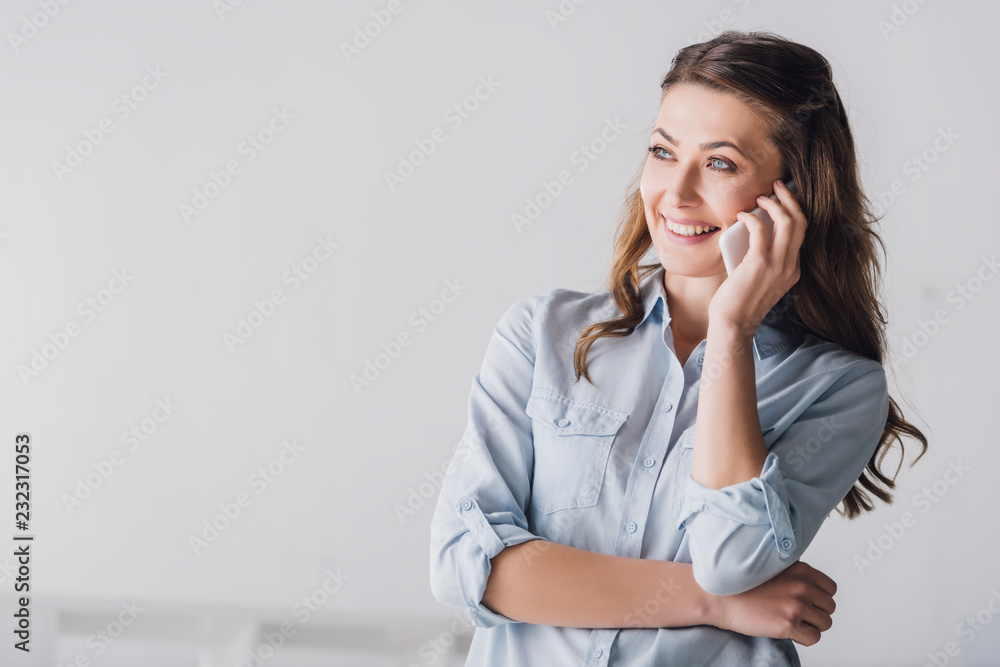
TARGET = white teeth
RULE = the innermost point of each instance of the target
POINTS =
(688, 230)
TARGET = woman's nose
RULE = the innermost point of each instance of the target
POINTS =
(681, 190)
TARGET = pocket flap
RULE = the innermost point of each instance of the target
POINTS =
(568, 417)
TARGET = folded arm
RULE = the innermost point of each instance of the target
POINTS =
(745, 533)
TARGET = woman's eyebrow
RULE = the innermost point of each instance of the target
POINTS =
(705, 147)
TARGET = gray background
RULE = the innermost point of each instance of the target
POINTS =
(335, 507)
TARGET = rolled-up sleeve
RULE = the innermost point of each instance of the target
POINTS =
(485, 492)
(744, 534)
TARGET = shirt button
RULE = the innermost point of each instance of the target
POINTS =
(668, 407)
(701, 360)
(563, 423)
(630, 526)
(597, 653)
(466, 504)
(786, 544)
(648, 462)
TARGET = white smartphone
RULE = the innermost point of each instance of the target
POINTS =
(735, 241)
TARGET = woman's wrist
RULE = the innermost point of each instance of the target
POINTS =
(700, 608)
(712, 608)
(730, 329)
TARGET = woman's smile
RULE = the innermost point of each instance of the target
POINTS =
(694, 233)
(688, 228)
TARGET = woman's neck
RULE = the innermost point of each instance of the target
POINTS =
(687, 301)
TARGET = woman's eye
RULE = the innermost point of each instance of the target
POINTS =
(654, 151)
(715, 163)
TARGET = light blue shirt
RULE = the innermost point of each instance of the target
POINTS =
(608, 469)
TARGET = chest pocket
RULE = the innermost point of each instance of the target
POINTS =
(685, 449)
(572, 442)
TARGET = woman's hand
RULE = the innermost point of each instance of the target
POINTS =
(767, 272)
(796, 604)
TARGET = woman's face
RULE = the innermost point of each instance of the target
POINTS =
(715, 160)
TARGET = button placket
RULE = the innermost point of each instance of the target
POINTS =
(639, 492)
(596, 656)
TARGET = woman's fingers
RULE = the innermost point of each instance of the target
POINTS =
(828, 585)
(824, 602)
(813, 624)
(816, 577)
(789, 201)
(758, 242)
(816, 613)
(818, 618)
(806, 635)
(789, 227)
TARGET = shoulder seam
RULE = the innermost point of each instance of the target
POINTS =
(531, 321)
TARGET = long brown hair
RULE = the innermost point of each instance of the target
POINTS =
(790, 87)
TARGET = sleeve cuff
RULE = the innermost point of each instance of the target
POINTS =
(491, 540)
(759, 501)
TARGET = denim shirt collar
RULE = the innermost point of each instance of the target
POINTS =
(779, 329)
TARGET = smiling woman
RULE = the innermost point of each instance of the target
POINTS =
(716, 177)
(656, 513)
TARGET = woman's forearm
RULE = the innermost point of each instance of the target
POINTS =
(728, 447)
(548, 583)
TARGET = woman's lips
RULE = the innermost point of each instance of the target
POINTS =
(686, 240)
(685, 221)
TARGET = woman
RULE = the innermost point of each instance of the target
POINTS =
(591, 522)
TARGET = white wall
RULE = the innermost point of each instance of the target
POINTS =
(161, 336)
